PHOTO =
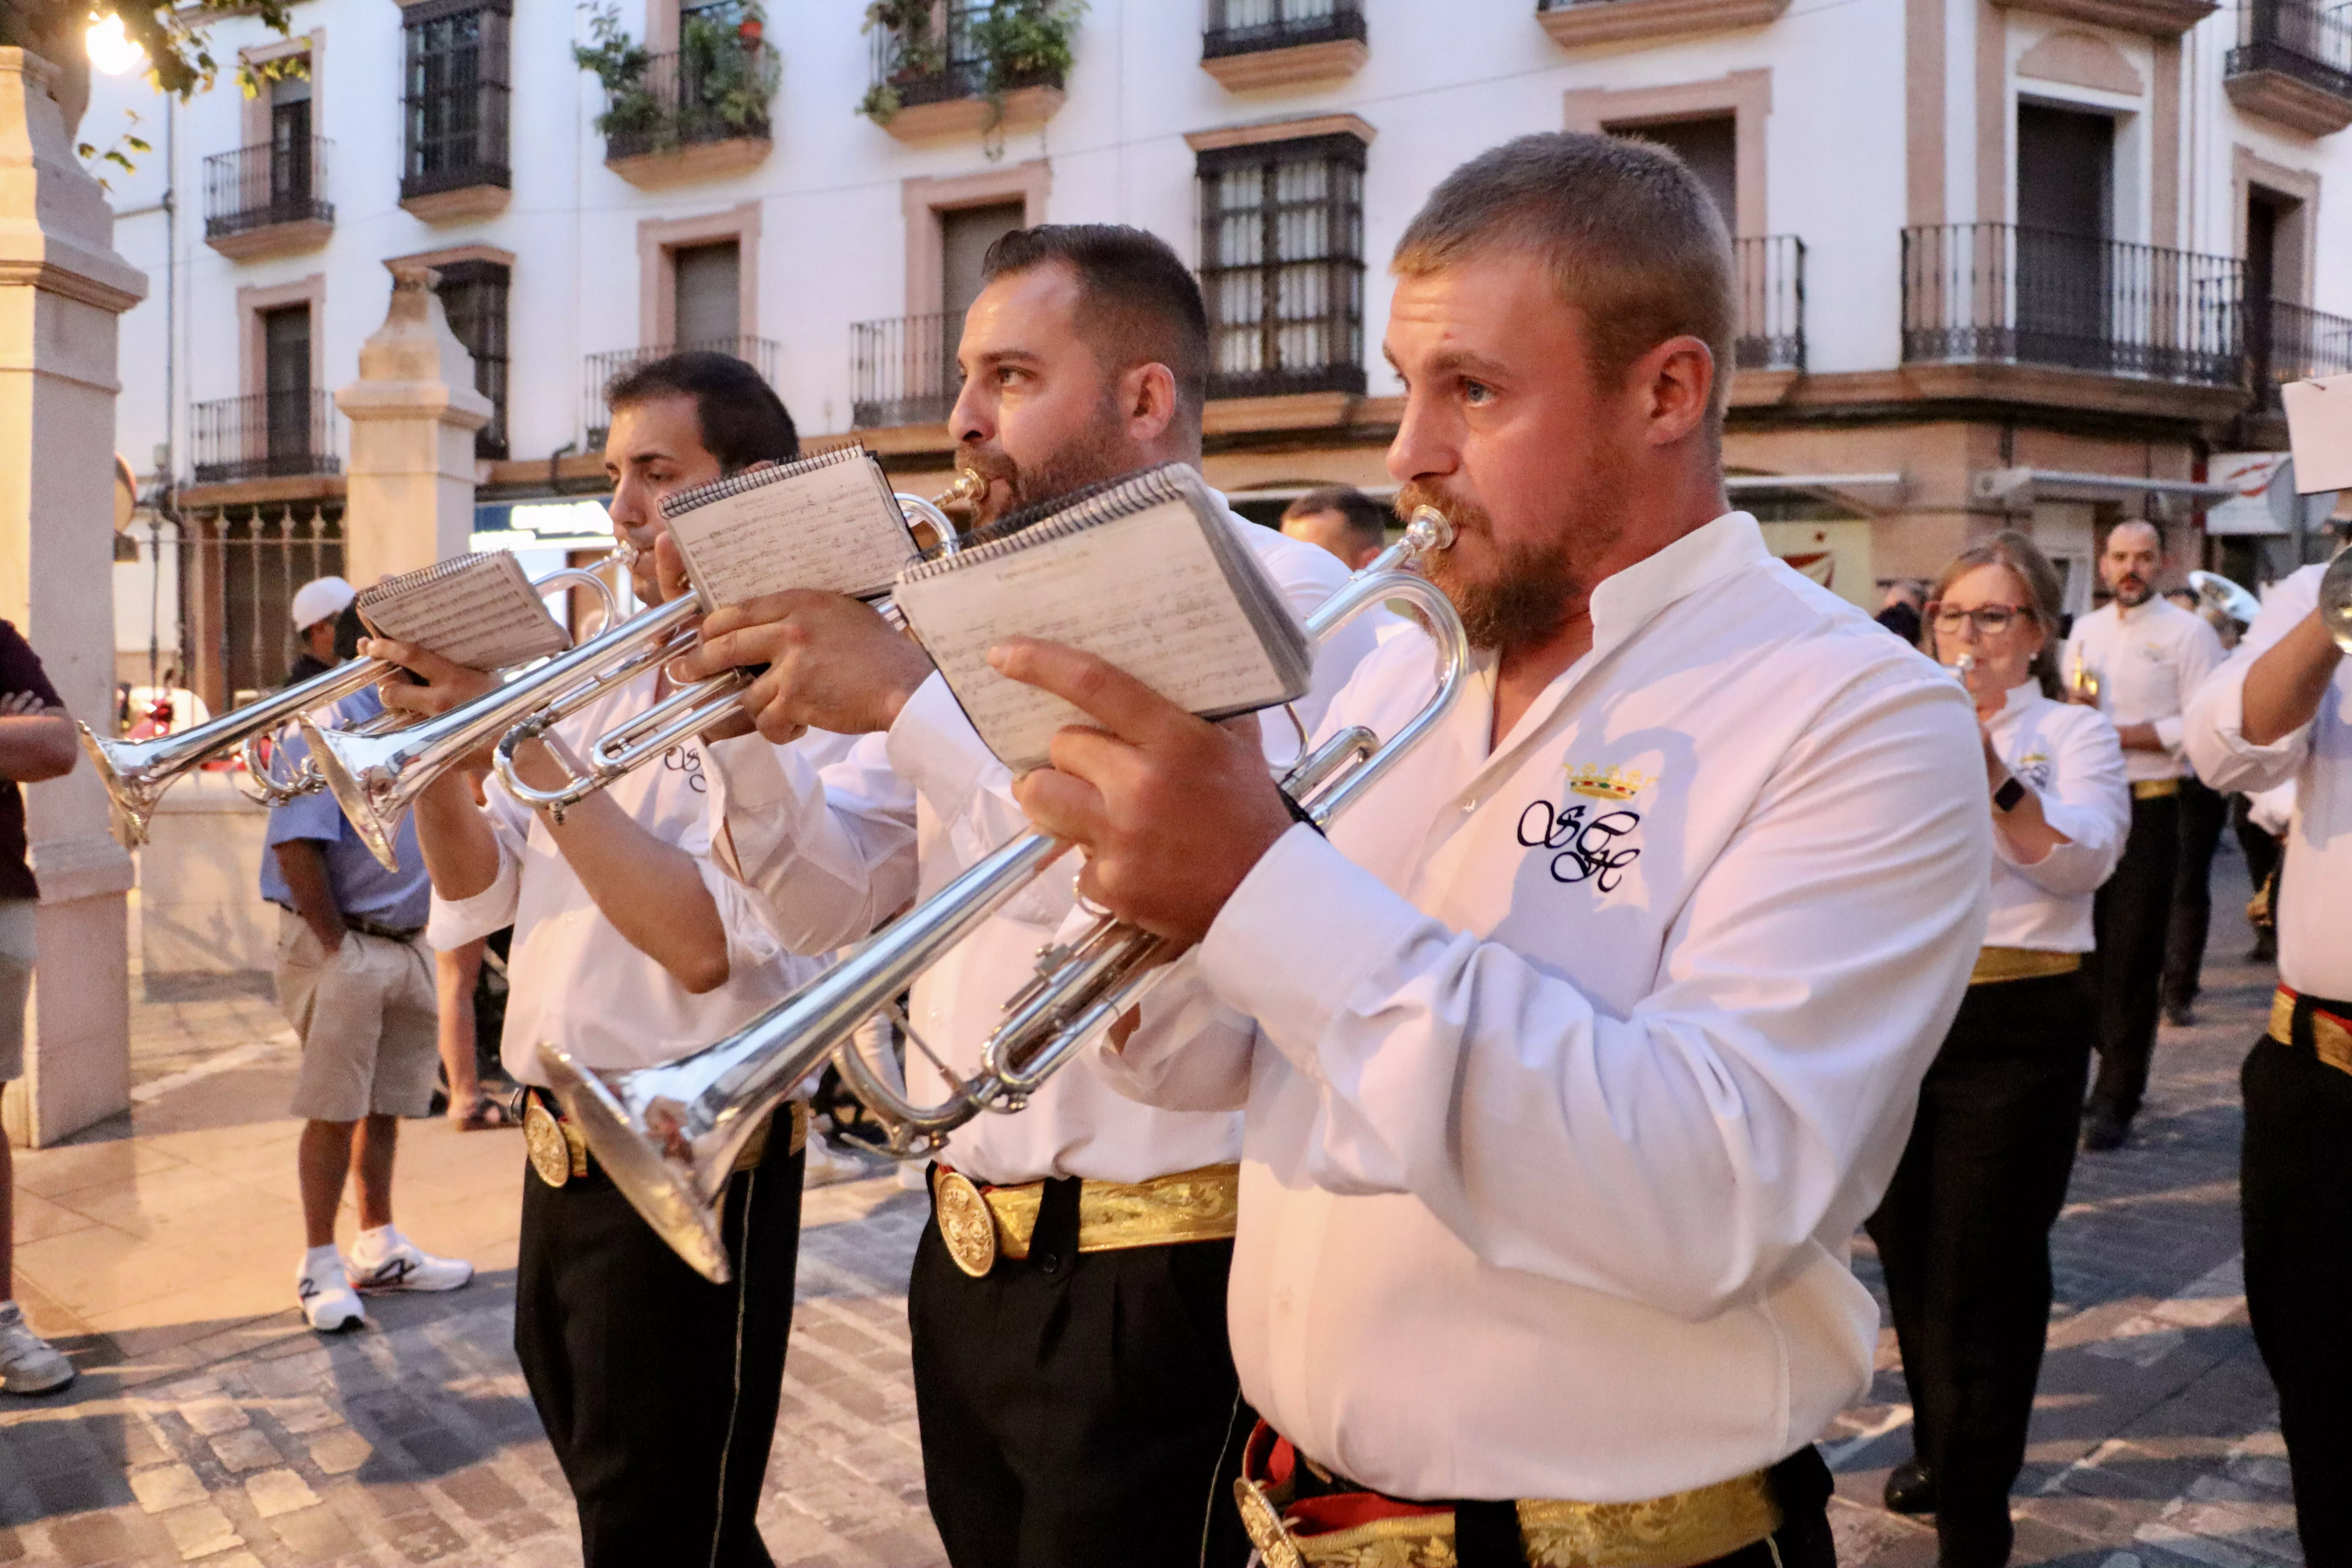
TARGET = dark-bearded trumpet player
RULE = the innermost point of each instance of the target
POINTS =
(1078, 1402)
(1572, 1057)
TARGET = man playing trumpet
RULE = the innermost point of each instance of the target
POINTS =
(1077, 1399)
(1574, 1055)
(658, 1389)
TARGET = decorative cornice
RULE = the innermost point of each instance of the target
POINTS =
(1290, 130)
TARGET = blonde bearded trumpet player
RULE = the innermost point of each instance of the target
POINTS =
(1077, 1399)
(1574, 1057)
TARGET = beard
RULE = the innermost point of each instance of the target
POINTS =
(1097, 451)
(2131, 592)
(1535, 586)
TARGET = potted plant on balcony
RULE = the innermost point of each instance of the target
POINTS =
(619, 62)
(1015, 43)
(726, 78)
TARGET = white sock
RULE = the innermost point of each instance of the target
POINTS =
(318, 1258)
(377, 1242)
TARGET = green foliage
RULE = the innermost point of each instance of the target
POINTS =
(174, 33)
(118, 155)
(729, 79)
(1014, 42)
(1027, 38)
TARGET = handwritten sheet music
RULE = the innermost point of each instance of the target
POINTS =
(479, 611)
(1145, 591)
(833, 528)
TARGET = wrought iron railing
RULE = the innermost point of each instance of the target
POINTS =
(2293, 343)
(1245, 26)
(1996, 292)
(760, 353)
(258, 186)
(903, 370)
(1769, 274)
(455, 108)
(717, 91)
(947, 62)
(264, 435)
(2310, 40)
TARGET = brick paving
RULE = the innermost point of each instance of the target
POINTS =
(236, 1437)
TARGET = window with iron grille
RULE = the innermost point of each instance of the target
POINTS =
(456, 102)
(1282, 265)
(474, 296)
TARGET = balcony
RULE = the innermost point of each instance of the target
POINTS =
(760, 353)
(2156, 18)
(1250, 44)
(1994, 293)
(699, 112)
(2293, 343)
(903, 370)
(1770, 276)
(1573, 24)
(2293, 64)
(991, 67)
(454, 166)
(264, 435)
(268, 200)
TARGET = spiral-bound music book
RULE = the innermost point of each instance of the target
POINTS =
(827, 522)
(1146, 572)
(479, 611)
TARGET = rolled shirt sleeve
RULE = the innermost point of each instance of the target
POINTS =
(2215, 734)
(457, 922)
(1681, 1155)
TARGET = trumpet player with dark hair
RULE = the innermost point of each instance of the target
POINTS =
(1077, 1402)
(658, 1389)
(2280, 711)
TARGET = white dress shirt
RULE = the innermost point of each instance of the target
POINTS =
(576, 980)
(2067, 754)
(2314, 912)
(2149, 659)
(834, 851)
(1576, 1062)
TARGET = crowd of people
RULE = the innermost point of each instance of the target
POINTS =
(1480, 1183)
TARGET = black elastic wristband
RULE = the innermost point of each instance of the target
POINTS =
(1300, 813)
(2006, 797)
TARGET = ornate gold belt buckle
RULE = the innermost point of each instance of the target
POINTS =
(543, 1135)
(966, 1223)
(1263, 1523)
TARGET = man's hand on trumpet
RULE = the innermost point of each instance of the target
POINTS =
(1171, 810)
(831, 662)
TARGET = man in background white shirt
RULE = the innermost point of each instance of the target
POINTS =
(2280, 711)
(1077, 1402)
(1575, 1055)
(2138, 660)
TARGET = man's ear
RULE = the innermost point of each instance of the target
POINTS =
(1147, 396)
(1680, 375)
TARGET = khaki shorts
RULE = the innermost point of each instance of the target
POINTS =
(369, 1020)
(16, 921)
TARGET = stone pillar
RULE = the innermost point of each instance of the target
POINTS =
(409, 500)
(61, 288)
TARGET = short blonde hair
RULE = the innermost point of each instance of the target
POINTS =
(1633, 240)
(2025, 562)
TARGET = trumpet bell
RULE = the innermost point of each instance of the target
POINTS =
(671, 1174)
(2336, 599)
(2218, 593)
(134, 780)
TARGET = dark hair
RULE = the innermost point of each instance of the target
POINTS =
(2024, 561)
(1142, 304)
(1367, 520)
(1632, 239)
(741, 419)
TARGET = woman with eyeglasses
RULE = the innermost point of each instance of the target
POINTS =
(1964, 1231)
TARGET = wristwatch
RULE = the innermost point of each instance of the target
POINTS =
(2006, 797)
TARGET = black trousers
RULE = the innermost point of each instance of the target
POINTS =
(1079, 1409)
(658, 1389)
(2130, 918)
(2203, 813)
(2295, 1168)
(2259, 847)
(1964, 1236)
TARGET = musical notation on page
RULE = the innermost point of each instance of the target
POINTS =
(479, 611)
(832, 527)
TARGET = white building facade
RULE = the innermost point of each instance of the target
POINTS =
(2001, 263)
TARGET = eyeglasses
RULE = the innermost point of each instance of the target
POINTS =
(1991, 619)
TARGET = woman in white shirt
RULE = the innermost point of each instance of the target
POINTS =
(1964, 1230)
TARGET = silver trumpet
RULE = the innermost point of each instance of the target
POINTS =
(2223, 598)
(669, 1135)
(376, 778)
(137, 773)
(690, 710)
(2336, 599)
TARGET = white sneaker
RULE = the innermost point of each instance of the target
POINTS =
(327, 1300)
(386, 1260)
(28, 1363)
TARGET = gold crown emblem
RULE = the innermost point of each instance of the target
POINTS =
(1609, 782)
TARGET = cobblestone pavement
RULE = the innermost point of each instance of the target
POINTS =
(230, 1435)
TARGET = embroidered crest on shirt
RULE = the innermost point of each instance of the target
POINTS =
(2034, 768)
(1611, 784)
(1589, 843)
